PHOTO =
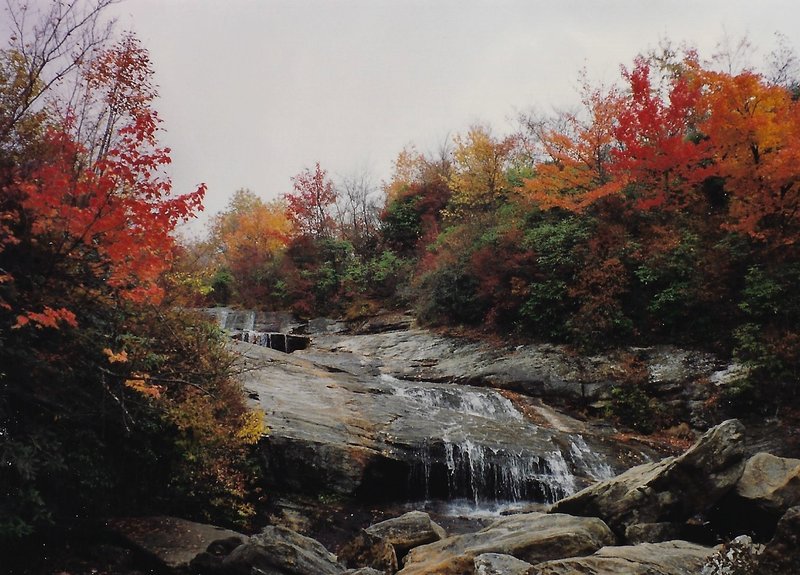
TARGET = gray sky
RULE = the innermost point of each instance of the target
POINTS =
(253, 91)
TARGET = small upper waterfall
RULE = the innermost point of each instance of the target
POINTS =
(259, 328)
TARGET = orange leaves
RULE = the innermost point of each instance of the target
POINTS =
(48, 317)
(575, 150)
(141, 384)
(755, 131)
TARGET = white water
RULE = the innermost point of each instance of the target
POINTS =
(476, 467)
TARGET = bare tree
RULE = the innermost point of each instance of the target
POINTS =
(358, 208)
(47, 45)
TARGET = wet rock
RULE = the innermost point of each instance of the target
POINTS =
(672, 490)
(530, 537)
(499, 564)
(171, 541)
(410, 530)
(667, 558)
(782, 554)
(364, 571)
(343, 431)
(281, 551)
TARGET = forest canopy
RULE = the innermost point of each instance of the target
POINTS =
(661, 209)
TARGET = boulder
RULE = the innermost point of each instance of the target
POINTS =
(768, 487)
(281, 551)
(499, 564)
(671, 490)
(410, 530)
(530, 537)
(383, 545)
(666, 558)
(366, 550)
(652, 532)
(782, 554)
(364, 571)
(171, 541)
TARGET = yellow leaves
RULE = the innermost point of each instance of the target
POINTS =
(479, 179)
(121, 357)
(252, 427)
(141, 384)
(250, 228)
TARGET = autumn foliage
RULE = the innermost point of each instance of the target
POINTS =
(111, 401)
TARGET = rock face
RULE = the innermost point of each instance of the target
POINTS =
(671, 490)
(171, 541)
(541, 370)
(667, 558)
(530, 537)
(338, 427)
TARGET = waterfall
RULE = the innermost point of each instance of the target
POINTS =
(471, 458)
(597, 467)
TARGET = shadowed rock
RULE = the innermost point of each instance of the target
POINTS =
(671, 490)
(768, 487)
(281, 551)
(171, 541)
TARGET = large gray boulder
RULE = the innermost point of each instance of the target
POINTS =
(530, 537)
(666, 558)
(671, 490)
(410, 530)
(170, 541)
(281, 551)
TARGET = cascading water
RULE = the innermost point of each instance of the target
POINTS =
(241, 324)
(470, 458)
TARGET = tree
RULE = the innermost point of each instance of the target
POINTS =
(753, 129)
(358, 212)
(479, 179)
(107, 399)
(308, 206)
(573, 153)
(661, 153)
(248, 239)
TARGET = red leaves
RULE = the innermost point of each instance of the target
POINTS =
(307, 206)
(654, 129)
(105, 206)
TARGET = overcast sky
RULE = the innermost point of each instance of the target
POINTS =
(253, 91)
